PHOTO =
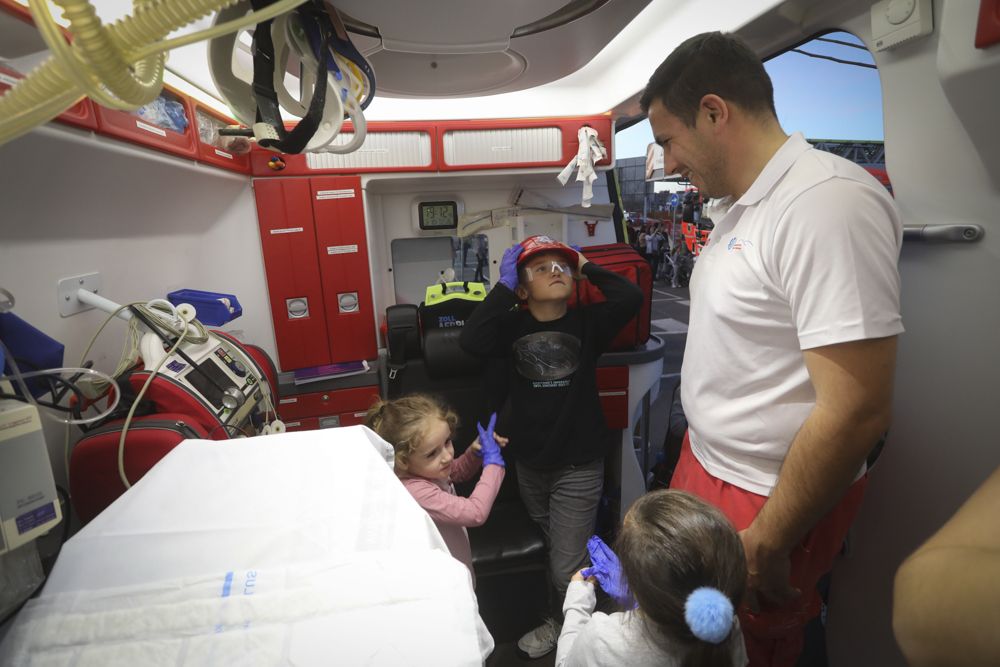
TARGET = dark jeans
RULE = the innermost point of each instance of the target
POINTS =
(564, 503)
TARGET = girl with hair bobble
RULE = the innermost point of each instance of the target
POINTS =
(685, 571)
(419, 428)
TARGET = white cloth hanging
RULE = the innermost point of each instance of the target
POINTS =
(591, 150)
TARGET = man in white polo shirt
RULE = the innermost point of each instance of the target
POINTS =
(787, 375)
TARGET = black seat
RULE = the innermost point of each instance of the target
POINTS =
(509, 541)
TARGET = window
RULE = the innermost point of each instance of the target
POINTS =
(827, 88)
(420, 262)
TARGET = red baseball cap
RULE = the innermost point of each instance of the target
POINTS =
(535, 245)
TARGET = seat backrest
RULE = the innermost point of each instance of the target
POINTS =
(437, 365)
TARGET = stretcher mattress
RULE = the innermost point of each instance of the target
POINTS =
(300, 548)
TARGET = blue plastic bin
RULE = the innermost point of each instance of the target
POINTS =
(212, 310)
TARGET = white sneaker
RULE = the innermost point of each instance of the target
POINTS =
(541, 640)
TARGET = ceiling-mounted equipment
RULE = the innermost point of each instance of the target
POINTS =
(334, 78)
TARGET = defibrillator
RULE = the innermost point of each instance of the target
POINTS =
(447, 305)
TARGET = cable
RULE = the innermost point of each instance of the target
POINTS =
(842, 43)
(836, 60)
(119, 66)
(27, 396)
(130, 350)
(20, 377)
(241, 432)
(135, 404)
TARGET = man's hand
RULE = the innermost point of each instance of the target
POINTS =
(768, 573)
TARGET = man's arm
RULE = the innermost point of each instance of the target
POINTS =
(946, 607)
(853, 384)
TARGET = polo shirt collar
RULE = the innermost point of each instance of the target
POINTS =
(775, 168)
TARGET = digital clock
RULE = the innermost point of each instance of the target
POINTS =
(438, 214)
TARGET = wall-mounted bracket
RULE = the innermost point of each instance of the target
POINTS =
(69, 302)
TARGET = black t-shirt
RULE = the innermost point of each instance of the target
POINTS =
(554, 417)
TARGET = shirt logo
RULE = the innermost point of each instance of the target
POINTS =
(738, 244)
(547, 357)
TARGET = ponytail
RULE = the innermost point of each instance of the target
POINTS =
(710, 616)
(403, 422)
(374, 416)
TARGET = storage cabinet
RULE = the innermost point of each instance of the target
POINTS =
(81, 114)
(212, 147)
(389, 146)
(316, 260)
(343, 261)
(166, 124)
(288, 242)
(414, 146)
(331, 406)
(516, 143)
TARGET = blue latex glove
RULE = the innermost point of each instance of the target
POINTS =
(608, 571)
(491, 450)
(508, 266)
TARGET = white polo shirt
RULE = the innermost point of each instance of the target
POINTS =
(805, 258)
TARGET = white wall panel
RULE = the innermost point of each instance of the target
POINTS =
(150, 224)
(511, 146)
(379, 150)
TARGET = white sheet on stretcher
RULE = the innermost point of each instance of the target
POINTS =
(296, 549)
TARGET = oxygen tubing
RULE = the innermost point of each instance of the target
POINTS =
(118, 66)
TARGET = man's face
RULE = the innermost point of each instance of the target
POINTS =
(547, 276)
(692, 152)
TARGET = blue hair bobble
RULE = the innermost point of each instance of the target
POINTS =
(709, 614)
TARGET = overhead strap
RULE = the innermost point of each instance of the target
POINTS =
(268, 109)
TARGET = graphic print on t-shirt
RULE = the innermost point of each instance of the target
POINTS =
(547, 358)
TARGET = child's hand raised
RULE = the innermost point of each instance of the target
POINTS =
(580, 260)
(488, 443)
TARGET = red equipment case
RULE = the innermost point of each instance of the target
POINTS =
(622, 259)
(93, 468)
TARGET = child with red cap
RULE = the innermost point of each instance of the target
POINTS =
(556, 427)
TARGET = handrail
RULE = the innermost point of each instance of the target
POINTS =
(943, 233)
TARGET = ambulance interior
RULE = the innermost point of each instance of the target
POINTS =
(478, 108)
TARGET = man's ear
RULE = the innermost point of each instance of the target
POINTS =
(714, 108)
(521, 292)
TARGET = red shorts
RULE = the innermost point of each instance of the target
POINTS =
(774, 636)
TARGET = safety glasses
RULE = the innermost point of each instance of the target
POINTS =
(544, 268)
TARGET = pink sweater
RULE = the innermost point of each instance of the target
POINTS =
(453, 513)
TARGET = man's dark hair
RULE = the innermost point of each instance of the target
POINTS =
(710, 63)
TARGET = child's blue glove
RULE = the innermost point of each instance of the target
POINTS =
(608, 571)
(491, 450)
(508, 266)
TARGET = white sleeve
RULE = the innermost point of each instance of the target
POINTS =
(835, 252)
(577, 610)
